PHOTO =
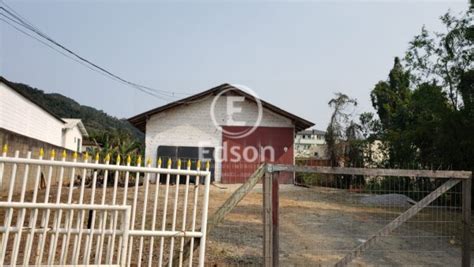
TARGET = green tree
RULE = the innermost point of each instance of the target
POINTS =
(426, 108)
(335, 132)
(466, 88)
(444, 57)
(370, 129)
(391, 99)
(430, 108)
(443, 63)
(354, 145)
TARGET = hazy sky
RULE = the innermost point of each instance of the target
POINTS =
(294, 54)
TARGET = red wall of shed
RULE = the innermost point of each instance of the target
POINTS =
(277, 138)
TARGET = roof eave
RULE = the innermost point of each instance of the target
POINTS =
(14, 88)
(139, 121)
(83, 129)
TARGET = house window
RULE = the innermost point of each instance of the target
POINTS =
(78, 144)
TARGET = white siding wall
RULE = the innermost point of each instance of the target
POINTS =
(71, 138)
(191, 125)
(18, 114)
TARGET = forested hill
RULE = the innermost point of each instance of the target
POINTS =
(96, 121)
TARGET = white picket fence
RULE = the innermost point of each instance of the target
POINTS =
(65, 220)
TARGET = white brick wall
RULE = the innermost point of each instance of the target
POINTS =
(18, 114)
(191, 125)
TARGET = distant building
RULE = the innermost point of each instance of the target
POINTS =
(73, 134)
(310, 144)
(27, 126)
(375, 153)
(90, 146)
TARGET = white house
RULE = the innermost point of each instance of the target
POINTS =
(310, 144)
(73, 134)
(22, 116)
(227, 125)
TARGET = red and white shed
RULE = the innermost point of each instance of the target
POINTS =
(228, 125)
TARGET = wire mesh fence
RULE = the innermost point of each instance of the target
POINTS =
(344, 212)
(327, 216)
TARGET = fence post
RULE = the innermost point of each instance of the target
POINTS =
(466, 212)
(275, 220)
(270, 218)
(267, 219)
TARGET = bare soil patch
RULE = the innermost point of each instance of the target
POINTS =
(318, 226)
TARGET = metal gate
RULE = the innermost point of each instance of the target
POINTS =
(425, 214)
(76, 211)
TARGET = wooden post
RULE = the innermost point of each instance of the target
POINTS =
(275, 220)
(267, 220)
(466, 214)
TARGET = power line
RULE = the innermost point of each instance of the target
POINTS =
(19, 20)
(84, 64)
(30, 27)
(68, 56)
(22, 18)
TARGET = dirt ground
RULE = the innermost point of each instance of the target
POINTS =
(318, 226)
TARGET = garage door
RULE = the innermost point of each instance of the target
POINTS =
(241, 157)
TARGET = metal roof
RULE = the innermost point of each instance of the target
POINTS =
(139, 120)
(68, 123)
(312, 132)
(71, 123)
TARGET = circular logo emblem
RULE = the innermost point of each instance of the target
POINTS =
(229, 108)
